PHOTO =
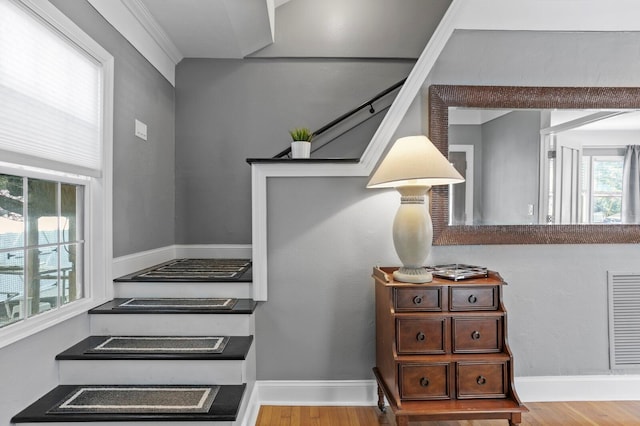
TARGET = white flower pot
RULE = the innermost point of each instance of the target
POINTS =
(300, 149)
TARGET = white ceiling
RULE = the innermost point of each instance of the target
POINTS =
(212, 28)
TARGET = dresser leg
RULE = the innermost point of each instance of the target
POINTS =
(381, 399)
(515, 419)
(402, 421)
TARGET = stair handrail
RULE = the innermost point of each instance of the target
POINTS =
(343, 117)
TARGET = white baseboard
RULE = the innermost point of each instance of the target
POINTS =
(530, 389)
(578, 388)
(253, 409)
(221, 251)
(314, 392)
(134, 262)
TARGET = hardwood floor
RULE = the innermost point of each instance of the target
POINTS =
(622, 413)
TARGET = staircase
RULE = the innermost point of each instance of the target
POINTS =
(182, 346)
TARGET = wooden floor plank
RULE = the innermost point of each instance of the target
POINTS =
(605, 413)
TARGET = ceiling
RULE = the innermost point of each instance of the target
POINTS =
(307, 28)
(576, 119)
(209, 28)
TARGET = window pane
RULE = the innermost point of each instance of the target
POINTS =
(606, 209)
(71, 272)
(71, 220)
(11, 211)
(42, 280)
(11, 285)
(607, 176)
(42, 214)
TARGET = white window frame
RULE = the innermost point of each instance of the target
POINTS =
(589, 193)
(98, 192)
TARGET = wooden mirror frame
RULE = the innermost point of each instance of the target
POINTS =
(441, 97)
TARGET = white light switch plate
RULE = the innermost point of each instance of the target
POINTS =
(141, 130)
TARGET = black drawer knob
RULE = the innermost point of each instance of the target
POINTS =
(475, 335)
(472, 299)
(481, 380)
(417, 300)
(424, 382)
(420, 336)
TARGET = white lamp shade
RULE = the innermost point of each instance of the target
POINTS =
(414, 160)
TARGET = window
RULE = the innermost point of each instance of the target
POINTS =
(602, 188)
(56, 97)
(41, 246)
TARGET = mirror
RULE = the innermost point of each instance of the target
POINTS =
(539, 166)
(535, 220)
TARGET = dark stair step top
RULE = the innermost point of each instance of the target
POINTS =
(242, 306)
(224, 408)
(237, 348)
(194, 270)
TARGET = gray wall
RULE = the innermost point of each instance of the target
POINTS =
(510, 147)
(229, 110)
(318, 322)
(29, 368)
(143, 200)
(143, 171)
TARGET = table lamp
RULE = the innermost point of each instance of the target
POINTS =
(412, 167)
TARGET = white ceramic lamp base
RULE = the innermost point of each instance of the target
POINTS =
(412, 235)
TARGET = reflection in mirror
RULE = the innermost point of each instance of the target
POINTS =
(563, 190)
(539, 166)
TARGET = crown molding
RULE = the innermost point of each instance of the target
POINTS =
(123, 18)
(151, 26)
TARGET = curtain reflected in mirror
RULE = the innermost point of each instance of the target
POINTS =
(631, 185)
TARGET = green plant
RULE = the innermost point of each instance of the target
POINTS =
(301, 134)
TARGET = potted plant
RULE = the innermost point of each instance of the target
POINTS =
(301, 144)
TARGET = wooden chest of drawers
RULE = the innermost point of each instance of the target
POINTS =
(441, 350)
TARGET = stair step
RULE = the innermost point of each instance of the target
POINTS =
(236, 348)
(124, 306)
(128, 289)
(108, 319)
(172, 324)
(224, 408)
(193, 270)
(233, 366)
(189, 278)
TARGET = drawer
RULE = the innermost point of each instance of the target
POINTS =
(424, 381)
(474, 298)
(421, 336)
(481, 380)
(418, 299)
(477, 335)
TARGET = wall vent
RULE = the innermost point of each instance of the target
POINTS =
(624, 319)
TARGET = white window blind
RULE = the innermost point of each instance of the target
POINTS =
(50, 96)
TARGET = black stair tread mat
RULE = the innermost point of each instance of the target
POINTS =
(242, 306)
(194, 270)
(236, 349)
(224, 408)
